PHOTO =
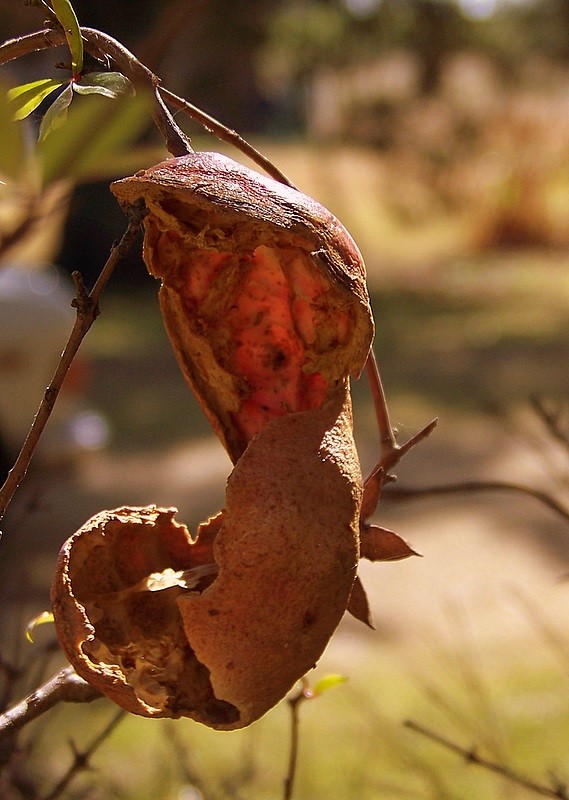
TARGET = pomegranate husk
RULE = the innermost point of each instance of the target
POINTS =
(264, 299)
(226, 651)
(263, 291)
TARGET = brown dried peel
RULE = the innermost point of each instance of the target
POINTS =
(263, 296)
(263, 291)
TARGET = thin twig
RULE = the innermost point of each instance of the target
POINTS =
(98, 43)
(559, 790)
(66, 686)
(294, 704)
(390, 452)
(546, 499)
(225, 134)
(387, 438)
(87, 305)
(81, 758)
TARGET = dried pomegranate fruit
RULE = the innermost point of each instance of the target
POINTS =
(220, 629)
(263, 291)
(119, 628)
(264, 298)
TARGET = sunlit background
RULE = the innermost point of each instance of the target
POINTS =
(438, 132)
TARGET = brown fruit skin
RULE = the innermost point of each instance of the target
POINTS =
(274, 383)
(208, 203)
(287, 554)
(286, 551)
(72, 622)
(217, 183)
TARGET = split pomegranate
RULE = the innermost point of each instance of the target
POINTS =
(264, 299)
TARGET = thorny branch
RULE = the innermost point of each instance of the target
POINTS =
(557, 790)
(390, 452)
(87, 305)
(81, 758)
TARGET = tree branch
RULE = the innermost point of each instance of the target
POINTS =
(225, 134)
(390, 452)
(559, 790)
(101, 45)
(81, 758)
(66, 686)
(87, 305)
(400, 493)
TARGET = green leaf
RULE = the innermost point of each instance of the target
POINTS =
(13, 157)
(56, 114)
(41, 619)
(26, 98)
(97, 141)
(107, 84)
(326, 683)
(66, 15)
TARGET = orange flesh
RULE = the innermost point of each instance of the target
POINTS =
(270, 315)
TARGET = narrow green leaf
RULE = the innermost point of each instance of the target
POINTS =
(13, 157)
(41, 619)
(66, 15)
(108, 84)
(98, 141)
(326, 683)
(26, 98)
(56, 114)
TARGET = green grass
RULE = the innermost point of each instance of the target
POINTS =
(352, 740)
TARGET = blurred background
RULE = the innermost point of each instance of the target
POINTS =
(438, 132)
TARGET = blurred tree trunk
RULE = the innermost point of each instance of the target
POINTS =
(437, 32)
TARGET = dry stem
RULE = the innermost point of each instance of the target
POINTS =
(81, 758)
(224, 134)
(471, 755)
(99, 45)
(294, 704)
(390, 452)
(87, 305)
(104, 47)
(66, 686)
(480, 486)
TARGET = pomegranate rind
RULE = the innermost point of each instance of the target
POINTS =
(287, 553)
(212, 182)
(106, 559)
(208, 219)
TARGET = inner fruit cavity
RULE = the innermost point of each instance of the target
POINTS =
(272, 319)
(128, 582)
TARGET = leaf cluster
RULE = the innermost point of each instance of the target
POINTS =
(28, 97)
